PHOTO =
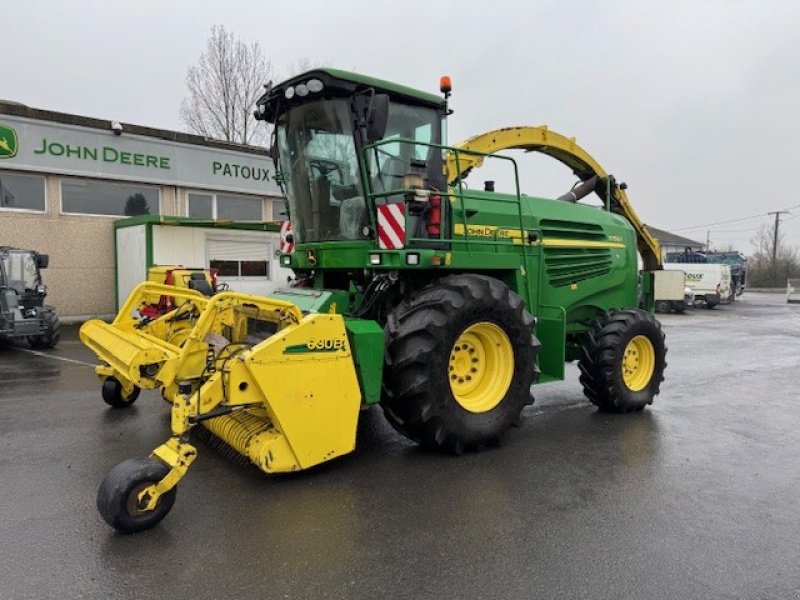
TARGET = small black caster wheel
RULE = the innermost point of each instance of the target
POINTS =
(118, 496)
(112, 394)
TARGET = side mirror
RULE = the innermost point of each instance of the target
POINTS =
(42, 260)
(377, 117)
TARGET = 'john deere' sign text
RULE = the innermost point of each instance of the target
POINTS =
(49, 147)
(106, 154)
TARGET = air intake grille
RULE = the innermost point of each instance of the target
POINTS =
(571, 230)
(571, 265)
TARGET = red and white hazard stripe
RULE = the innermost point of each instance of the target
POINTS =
(391, 226)
(287, 247)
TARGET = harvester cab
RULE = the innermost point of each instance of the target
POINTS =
(441, 303)
(23, 313)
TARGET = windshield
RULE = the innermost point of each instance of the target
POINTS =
(390, 162)
(320, 170)
(319, 165)
(20, 271)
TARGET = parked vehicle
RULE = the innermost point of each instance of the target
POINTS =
(793, 291)
(671, 292)
(736, 260)
(711, 283)
(23, 313)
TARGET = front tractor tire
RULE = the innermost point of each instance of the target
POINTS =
(459, 363)
(50, 335)
(118, 496)
(623, 361)
(114, 396)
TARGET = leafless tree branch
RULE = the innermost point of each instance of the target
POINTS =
(222, 89)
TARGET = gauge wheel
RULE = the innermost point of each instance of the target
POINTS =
(113, 395)
(118, 497)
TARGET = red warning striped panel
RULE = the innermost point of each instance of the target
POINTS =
(287, 247)
(391, 226)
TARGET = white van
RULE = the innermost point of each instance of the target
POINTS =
(711, 283)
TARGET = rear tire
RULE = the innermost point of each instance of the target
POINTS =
(459, 363)
(112, 394)
(117, 498)
(623, 361)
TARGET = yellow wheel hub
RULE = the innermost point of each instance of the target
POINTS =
(481, 367)
(638, 363)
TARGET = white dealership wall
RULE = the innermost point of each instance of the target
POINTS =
(58, 148)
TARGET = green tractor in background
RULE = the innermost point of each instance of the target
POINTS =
(23, 313)
(440, 303)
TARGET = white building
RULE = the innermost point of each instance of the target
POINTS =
(65, 179)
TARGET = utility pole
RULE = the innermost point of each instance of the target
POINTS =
(777, 214)
(708, 240)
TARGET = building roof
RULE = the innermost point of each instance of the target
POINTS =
(274, 226)
(20, 110)
(665, 238)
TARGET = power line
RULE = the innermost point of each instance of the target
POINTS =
(751, 229)
(758, 216)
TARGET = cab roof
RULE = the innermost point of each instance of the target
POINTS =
(339, 83)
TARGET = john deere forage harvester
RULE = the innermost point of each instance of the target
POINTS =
(441, 303)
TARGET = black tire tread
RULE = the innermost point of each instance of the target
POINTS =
(111, 391)
(51, 335)
(599, 364)
(415, 339)
(114, 491)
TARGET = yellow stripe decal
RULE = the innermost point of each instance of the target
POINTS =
(558, 243)
(516, 236)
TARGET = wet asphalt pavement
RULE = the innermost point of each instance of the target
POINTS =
(696, 497)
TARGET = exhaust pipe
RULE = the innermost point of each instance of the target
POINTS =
(580, 191)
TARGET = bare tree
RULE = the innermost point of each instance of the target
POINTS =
(223, 88)
(762, 269)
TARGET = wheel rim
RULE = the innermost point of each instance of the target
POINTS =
(132, 504)
(481, 367)
(638, 363)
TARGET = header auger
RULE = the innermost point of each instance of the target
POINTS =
(441, 303)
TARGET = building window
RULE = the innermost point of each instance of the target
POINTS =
(239, 259)
(91, 197)
(239, 208)
(201, 206)
(22, 192)
(279, 210)
(225, 207)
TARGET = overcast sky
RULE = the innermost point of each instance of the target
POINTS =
(693, 104)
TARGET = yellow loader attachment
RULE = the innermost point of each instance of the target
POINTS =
(277, 386)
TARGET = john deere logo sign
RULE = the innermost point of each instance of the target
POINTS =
(8, 142)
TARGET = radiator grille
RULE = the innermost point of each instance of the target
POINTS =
(571, 265)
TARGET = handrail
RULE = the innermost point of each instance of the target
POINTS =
(456, 192)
